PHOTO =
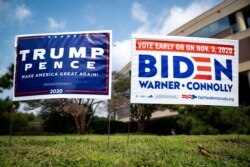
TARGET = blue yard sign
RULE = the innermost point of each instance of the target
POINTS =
(65, 65)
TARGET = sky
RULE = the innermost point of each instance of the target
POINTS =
(123, 17)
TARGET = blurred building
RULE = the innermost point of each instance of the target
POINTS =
(228, 20)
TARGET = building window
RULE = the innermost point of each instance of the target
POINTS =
(233, 23)
(221, 28)
(246, 13)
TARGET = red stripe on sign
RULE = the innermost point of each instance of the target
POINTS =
(201, 59)
(189, 47)
(36, 92)
(203, 68)
(85, 91)
(205, 77)
(107, 63)
(184, 96)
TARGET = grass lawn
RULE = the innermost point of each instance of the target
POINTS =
(142, 150)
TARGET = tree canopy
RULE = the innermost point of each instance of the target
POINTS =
(6, 80)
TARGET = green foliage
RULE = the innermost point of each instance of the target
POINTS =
(5, 105)
(142, 150)
(194, 120)
(122, 84)
(142, 113)
(163, 126)
(215, 120)
(6, 80)
(8, 107)
(19, 122)
(57, 122)
(100, 126)
(63, 123)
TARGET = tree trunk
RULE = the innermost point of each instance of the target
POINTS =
(83, 123)
(78, 128)
(80, 122)
(141, 122)
(141, 125)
